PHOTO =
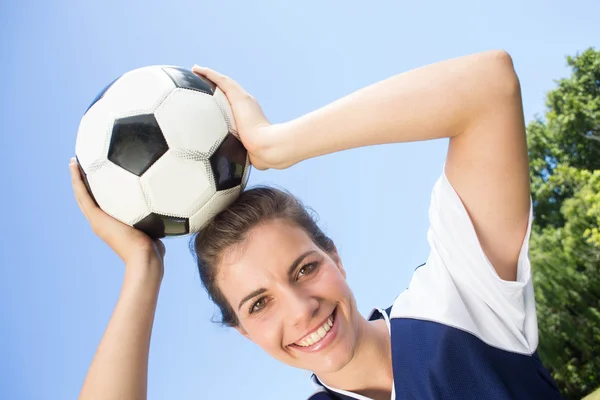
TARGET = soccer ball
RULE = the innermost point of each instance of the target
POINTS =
(158, 150)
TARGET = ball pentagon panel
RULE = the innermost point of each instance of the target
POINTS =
(136, 143)
(185, 79)
(229, 162)
(247, 169)
(158, 226)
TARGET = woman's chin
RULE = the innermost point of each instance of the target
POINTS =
(334, 353)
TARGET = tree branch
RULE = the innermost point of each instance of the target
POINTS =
(591, 137)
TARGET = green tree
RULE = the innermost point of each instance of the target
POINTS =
(564, 154)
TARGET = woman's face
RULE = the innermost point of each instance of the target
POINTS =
(291, 297)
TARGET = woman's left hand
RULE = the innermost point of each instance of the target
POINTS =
(257, 134)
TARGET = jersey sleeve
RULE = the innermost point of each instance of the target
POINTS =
(459, 287)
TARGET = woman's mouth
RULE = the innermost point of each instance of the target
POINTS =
(320, 337)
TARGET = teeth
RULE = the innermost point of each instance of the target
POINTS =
(316, 335)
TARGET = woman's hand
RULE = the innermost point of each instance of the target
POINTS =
(262, 139)
(133, 246)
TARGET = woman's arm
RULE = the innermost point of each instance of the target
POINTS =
(120, 367)
(476, 102)
(473, 100)
(440, 100)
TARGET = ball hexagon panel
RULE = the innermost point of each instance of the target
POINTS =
(93, 136)
(186, 79)
(192, 121)
(136, 143)
(158, 226)
(177, 187)
(229, 163)
(142, 90)
(216, 204)
(119, 193)
(85, 181)
(225, 107)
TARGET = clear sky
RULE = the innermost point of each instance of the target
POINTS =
(59, 283)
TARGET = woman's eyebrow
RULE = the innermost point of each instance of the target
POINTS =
(251, 295)
(291, 269)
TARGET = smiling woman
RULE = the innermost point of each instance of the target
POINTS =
(464, 329)
(278, 279)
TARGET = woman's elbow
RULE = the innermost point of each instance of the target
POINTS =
(503, 75)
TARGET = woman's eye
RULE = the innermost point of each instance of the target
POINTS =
(258, 305)
(307, 269)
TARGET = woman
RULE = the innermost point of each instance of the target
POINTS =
(465, 328)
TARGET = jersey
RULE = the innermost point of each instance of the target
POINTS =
(459, 331)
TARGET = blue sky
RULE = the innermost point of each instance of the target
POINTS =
(60, 283)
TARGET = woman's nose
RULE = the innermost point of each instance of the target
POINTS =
(301, 308)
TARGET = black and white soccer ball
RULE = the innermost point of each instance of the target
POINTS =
(158, 150)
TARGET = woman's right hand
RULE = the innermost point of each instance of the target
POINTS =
(133, 246)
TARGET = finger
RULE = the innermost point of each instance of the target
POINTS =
(74, 178)
(225, 83)
(84, 200)
(160, 246)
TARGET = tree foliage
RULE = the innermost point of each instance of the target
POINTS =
(564, 154)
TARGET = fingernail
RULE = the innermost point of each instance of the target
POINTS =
(72, 161)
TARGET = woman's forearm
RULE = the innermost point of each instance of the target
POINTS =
(120, 367)
(435, 101)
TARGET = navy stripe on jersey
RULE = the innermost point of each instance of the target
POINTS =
(436, 361)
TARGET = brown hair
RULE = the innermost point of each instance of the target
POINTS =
(231, 226)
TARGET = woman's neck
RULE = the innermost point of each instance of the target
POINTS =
(369, 372)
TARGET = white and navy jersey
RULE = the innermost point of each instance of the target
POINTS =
(459, 331)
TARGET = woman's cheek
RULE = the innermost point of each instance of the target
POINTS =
(266, 333)
(333, 282)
